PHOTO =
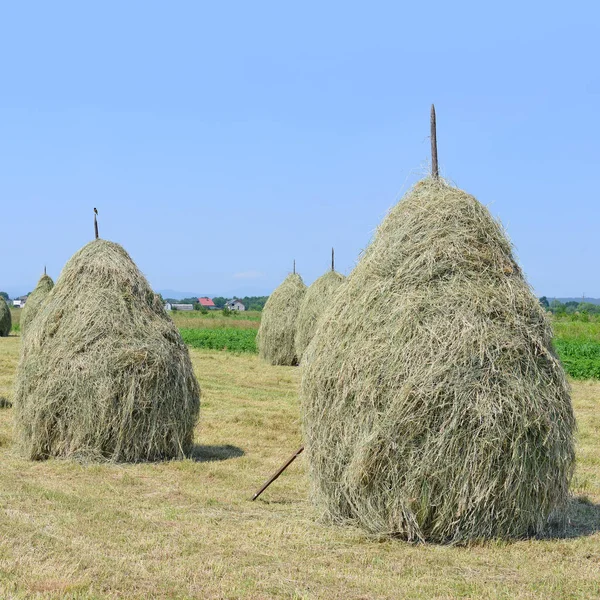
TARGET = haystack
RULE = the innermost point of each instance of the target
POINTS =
(5, 318)
(275, 338)
(104, 373)
(35, 300)
(434, 405)
(317, 298)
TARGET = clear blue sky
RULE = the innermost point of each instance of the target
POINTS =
(221, 140)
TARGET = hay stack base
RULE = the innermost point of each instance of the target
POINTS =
(5, 318)
(317, 298)
(104, 373)
(35, 301)
(434, 406)
(277, 331)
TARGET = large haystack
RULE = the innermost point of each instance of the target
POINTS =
(434, 405)
(5, 318)
(104, 373)
(275, 339)
(317, 298)
(35, 301)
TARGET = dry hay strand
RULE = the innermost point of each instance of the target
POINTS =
(5, 318)
(35, 301)
(434, 407)
(277, 331)
(104, 373)
(318, 296)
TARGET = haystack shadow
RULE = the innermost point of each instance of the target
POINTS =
(215, 453)
(582, 519)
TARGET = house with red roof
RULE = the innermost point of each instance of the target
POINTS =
(206, 303)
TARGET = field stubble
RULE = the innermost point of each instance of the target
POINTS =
(187, 529)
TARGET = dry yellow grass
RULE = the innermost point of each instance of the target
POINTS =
(187, 529)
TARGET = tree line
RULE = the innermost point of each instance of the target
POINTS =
(569, 308)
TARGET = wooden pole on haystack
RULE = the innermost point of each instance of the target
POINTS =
(434, 155)
(294, 266)
(332, 260)
(96, 222)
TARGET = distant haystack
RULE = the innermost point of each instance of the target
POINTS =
(316, 300)
(5, 318)
(277, 330)
(35, 301)
(435, 407)
(104, 373)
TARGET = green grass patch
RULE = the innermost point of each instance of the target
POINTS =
(581, 358)
(578, 345)
(231, 339)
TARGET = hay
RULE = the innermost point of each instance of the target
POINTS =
(104, 373)
(35, 300)
(434, 405)
(317, 298)
(5, 318)
(275, 338)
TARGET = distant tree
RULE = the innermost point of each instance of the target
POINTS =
(557, 307)
(219, 301)
(544, 302)
(5, 296)
(254, 302)
(588, 308)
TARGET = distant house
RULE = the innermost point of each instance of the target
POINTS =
(182, 307)
(20, 301)
(235, 304)
(206, 303)
(168, 306)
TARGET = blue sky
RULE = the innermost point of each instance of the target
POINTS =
(220, 141)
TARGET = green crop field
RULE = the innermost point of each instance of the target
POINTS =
(221, 338)
(578, 345)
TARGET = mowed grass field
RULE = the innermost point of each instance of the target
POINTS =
(188, 529)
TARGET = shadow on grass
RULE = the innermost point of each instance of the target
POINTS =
(215, 453)
(582, 519)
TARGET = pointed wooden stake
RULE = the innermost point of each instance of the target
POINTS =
(294, 266)
(96, 222)
(434, 155)
(44, 269)
(332, 260)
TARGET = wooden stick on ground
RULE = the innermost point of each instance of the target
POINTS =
(277, 473)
